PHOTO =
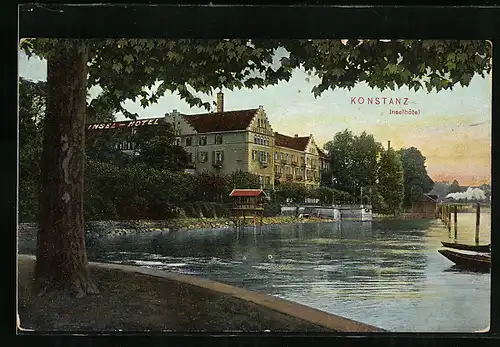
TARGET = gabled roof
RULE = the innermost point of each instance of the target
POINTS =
(434, 198)
(247, 192)
(297, 143)
(221, 121)
(321, 153)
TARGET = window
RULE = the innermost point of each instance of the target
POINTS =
(218, 139)
(202, 140)
(268, 180)
(178, 141)
(219, 156)
(188, 141)
(203, 157)
(275, 155)
(254, 155)
(255, 139)
(190, 157)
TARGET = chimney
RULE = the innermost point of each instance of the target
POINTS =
(389, 145)
(220, 102)
(296, 135)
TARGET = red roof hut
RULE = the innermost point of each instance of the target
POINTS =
(247, 202)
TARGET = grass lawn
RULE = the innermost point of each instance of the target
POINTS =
(137, 302)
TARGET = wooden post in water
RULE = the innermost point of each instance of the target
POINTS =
(448, 216)
(478, 215)
(455, 221)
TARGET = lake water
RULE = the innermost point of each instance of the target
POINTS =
(385, 273)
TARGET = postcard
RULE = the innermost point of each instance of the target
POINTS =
(241, 185)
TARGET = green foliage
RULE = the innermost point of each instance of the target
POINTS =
(325, 195)
(127, 68)
(32, 97)
(391, 182)
(243, 180)
(211, 186)
(272, 206)
(416, 180)
(160, 152)
(433, 64)
(102, 184)
(378, 203)
(353, 161)
(295, 192)
(102, 147)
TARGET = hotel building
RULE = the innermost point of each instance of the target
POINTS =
(227, 141)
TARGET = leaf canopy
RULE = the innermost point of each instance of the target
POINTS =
(126, 68)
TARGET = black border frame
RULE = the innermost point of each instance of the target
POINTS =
(317, 21)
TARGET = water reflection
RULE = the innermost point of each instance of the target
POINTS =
(385, 273)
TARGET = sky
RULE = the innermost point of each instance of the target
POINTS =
(452, 128)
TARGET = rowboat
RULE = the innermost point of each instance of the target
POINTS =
(474, 248)
(467, 260)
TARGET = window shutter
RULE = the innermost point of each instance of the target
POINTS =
(222, 155)
(213, 157)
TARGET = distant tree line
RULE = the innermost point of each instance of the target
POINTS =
(390, 180)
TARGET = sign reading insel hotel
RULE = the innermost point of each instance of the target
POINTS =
(128, 124)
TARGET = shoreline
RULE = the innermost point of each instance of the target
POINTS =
(132, 298)
(126, 227)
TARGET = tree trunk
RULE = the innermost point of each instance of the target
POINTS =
(61, 259)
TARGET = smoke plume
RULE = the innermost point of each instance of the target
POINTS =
(469, 194)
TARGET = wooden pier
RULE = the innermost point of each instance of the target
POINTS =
(444, 211)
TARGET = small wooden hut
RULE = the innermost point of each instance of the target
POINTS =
(426, 207)
(247, 203)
